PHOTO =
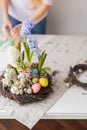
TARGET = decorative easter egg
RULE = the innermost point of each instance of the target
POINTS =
(34, 65)
(35, 80)
(43, 82)
(11, 43)
(14, 89)
(21, 91)
(17, 83)
(35, 76)
(29, 91)
(23, 81)
(17, 92)
(34, 71)
(20, 87)
(36, 87)
(25, 90)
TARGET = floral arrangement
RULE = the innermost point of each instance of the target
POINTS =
(24, 80)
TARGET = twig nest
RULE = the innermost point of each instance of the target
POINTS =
(36, 87)
(73, 75)
(43, 82)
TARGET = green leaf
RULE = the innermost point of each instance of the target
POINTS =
(45, 69)
(45, 55)
(18, 60)
(27, 51)
(41, 60)
(31, 55)
(39, 63)
(22, 56)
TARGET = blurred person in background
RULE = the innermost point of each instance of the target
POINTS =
(14, 12)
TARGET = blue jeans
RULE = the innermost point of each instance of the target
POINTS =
(39, 28)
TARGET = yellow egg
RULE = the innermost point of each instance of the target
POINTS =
(43, 82)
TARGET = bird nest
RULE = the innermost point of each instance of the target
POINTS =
(73, 74)
(27, 98)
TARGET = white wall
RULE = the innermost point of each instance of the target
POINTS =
(68, 17)
(0, 21)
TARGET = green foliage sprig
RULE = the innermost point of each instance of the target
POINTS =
(20, 62)
(41, 60)
(28, 53)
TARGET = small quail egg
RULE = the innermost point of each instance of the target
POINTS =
(17, 92)
(35, 80)
(67, 85)
(21, 91)
(29, 91)
(14, 89)
(25, 90)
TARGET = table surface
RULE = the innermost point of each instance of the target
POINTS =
(73, 104)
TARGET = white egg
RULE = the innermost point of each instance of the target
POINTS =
(13, 89)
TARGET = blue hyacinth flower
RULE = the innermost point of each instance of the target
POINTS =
(27, 26)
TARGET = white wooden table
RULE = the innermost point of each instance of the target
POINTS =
(73, 104)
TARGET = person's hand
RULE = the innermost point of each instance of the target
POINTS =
(16, 30)
(6, 27)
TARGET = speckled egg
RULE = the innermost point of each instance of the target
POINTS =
(36, 87)
(21, 91)
(14, 89)
(29, 91)
(25, 90)
(17, 83)
(17, 92)
(43, 82)
(34, 71)
(35, 80)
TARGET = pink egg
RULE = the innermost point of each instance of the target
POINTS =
(36, 87)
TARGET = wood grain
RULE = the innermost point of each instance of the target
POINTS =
(45, 125)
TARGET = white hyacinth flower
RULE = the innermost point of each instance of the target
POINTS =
(13, 55)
